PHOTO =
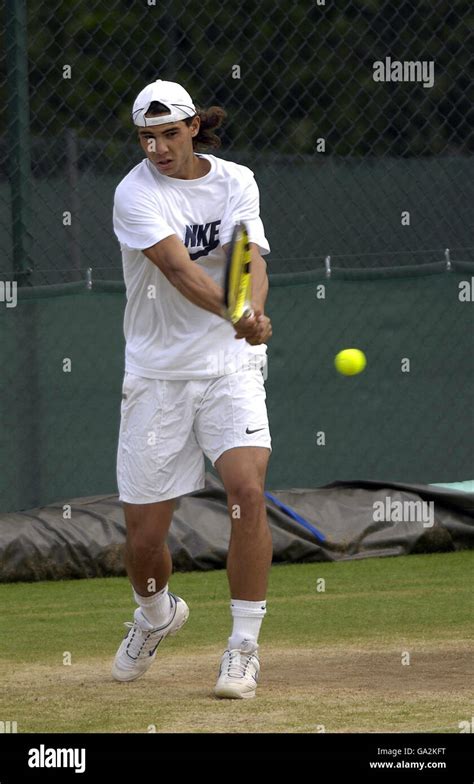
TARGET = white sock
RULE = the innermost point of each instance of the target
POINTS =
(248, 617)
(156, 608)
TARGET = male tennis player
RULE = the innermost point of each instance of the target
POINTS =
(193, 382)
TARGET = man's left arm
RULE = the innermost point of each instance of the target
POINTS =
(258, 328)
(259, 279)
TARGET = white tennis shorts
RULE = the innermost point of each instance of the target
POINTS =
(167, 427)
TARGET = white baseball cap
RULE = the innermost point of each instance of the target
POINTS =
(171, 95)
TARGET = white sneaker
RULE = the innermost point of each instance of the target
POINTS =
(238, 675)
(138, 649)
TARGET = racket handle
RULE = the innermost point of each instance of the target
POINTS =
(248, 313)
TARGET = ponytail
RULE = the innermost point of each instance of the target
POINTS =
(211, 119)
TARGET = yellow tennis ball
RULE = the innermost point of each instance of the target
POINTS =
(350, 361)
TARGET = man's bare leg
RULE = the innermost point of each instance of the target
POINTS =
(149, 566)
(243, 472)
(147, 556)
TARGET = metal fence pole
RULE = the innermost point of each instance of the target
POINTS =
(72, 173)
(18, 135)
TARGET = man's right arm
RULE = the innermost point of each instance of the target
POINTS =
(172, 258)
(138, 223)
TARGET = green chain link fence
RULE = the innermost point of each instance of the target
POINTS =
(339, 154)
(407, 418)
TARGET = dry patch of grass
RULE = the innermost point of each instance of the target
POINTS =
(331, 688)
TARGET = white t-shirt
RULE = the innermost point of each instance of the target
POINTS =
(167, 336)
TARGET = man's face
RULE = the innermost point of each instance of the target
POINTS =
(169, 146)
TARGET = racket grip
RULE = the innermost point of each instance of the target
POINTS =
(248, 313)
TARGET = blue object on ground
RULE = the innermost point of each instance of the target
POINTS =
(291, 512)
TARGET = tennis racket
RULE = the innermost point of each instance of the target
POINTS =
(238, 276)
